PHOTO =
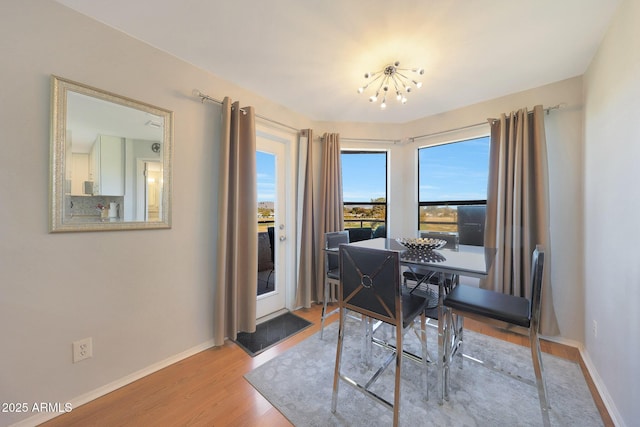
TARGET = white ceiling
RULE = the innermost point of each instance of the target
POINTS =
(311, 55)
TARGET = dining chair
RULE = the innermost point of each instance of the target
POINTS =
(471, 223)
(370, 285)
(508, 312)
(332, 240)
(358, 234)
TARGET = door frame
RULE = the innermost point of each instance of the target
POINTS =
(289, 140)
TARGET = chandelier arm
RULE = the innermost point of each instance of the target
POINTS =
(403, 76)
(380, 86)
(395, 83)
(370, 83)
(397, 80)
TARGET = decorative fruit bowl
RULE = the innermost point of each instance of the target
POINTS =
(421, 244)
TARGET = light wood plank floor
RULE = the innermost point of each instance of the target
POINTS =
(208, 389)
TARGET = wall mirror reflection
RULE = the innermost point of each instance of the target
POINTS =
(110, 161)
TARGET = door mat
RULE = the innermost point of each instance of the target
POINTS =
(271, 332)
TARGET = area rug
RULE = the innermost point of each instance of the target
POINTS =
(271, 332)
(299, 384)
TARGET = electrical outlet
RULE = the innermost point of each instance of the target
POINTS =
(82, 349)
(595, 329)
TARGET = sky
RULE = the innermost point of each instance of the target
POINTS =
(363, 176)
(455, 171)
(266, 172)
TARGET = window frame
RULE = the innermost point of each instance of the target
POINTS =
(446, 203)
(345, 203)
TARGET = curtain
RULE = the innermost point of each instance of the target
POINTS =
(305, 288)
(518, 207)
(331, 209)
(235, 288)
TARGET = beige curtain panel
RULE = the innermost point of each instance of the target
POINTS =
(518, 207)
(331, 209)
(235, 288)
(306, 286)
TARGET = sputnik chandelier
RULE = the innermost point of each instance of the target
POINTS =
(391, 78)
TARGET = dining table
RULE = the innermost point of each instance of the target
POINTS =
(464, 260)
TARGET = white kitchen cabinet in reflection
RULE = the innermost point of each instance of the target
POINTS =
(106, 166)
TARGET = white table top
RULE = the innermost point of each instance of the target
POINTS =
(473, 261)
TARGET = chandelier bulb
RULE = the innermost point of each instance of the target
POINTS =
(360, 89)
(383, 105)
(373, 98)
(418, 84)
(408, 88)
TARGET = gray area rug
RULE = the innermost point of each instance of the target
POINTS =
(299, 384)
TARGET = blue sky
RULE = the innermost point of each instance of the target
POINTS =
(456, 171)
(266, 171)
(363, 176)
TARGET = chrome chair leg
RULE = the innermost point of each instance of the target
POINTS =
(337, 372)
(541, 385)
(423, 334)
(324, 308)
(396, 394)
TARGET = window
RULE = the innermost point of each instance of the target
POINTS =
(364, 189)
(451, 175)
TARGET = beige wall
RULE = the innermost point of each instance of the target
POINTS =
(145, 296)
(612, 204)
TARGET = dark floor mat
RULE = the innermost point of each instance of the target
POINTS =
(271, 332)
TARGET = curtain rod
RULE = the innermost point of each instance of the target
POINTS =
(413, 138)
(204, 97)
(393, 141)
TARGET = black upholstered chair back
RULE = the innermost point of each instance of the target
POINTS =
(370, 282)
(359, 234)
(333, 240)
(471, 222)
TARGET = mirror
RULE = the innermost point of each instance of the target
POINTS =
(110, 161)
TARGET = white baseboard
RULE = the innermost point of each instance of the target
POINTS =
(595, 377)
(108, 388)
(602, 390)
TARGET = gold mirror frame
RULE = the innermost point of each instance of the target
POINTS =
(60, 201)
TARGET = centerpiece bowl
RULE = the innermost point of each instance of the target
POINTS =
(421, 244)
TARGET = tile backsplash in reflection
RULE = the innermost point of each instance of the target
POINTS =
(90, 205)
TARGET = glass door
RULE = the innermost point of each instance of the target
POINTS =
(272, 230)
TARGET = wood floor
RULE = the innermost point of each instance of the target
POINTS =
(208, 389)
